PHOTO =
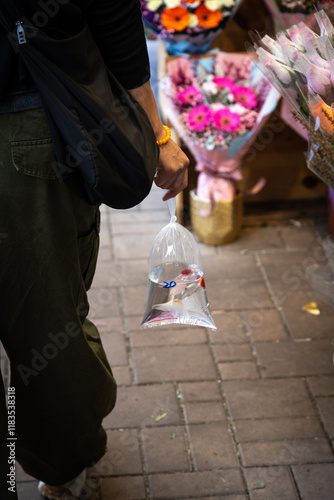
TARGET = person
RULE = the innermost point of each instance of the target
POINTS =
(61, 383)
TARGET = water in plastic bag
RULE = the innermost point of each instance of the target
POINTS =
(176, 290)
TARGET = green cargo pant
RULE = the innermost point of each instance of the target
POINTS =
(48, 249)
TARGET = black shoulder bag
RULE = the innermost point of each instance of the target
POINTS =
(105, 146)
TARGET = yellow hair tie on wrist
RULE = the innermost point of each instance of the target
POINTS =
(165, 139)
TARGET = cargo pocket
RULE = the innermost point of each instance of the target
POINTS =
(35, 158)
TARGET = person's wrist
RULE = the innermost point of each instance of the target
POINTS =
(166, 136)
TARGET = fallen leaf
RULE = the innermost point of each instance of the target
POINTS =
(160, 417)
(172, 435)
(312, 308)
(258, 485)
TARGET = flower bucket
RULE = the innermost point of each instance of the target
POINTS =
(222, 225)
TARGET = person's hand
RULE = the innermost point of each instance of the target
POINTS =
(172, 169)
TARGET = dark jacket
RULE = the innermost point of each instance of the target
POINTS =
(115, 24)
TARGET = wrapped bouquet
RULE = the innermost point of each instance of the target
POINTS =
(299, 63)
(217, 104)
(187, 26)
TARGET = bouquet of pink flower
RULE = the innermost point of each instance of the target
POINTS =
(299, 63)
(188, 26)
(217, 104)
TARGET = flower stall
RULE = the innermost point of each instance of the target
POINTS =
(257, 168)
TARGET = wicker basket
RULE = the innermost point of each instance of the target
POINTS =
(222, 226)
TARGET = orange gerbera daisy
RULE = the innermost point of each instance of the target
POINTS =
(191, 1)
(175, 19)
(208, 18)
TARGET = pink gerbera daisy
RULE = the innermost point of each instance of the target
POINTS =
(245, 96)
(224, 119)
(190, 95)
(199, 118)
(223, 82)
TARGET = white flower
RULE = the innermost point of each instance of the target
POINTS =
(193, 21)
(153, 5)
(214, 4)
(237, 108)
(170, 4)
(210, 88)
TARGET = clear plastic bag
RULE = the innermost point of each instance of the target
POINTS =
(176, 290)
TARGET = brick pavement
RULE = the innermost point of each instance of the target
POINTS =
(246, 412)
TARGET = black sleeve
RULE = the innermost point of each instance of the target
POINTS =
(118, 29)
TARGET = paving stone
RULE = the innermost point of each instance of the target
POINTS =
(122, 375)
(274, 483)
(268, 398)
(236, 294)
(147, 228)
(286, 270)
(182, 363)
(165, 449)
(258, 238)
(141, 405)
(304, 325)
(114, 345)
(204, 483)
(288, 358)
(286, 452)
(326, 407)
(21, 475)
(230, 266)
(200, 391)
(133, 322)
(28, 491)
(124, 488)
(229, 497)
(105, 254)
(315, 481)
(109, 325)
(233, 352)
(168, 336)
(134, 300)
(210, 411)
(230, 328)
(104, 302)
(123, 455)
(207, 250)
(299, 237)
(265, 324)
(322, 385)
(238, 370)
(121, 273)
(132, 246)
(276, 429)
(291, 299)
(213, 446)
(139, 216)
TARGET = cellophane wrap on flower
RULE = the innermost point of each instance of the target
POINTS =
(188, 27)
(217, 104)
(300, 64)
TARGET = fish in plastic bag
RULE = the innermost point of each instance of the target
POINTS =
(176, 290)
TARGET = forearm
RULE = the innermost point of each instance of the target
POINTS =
(145, 97)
